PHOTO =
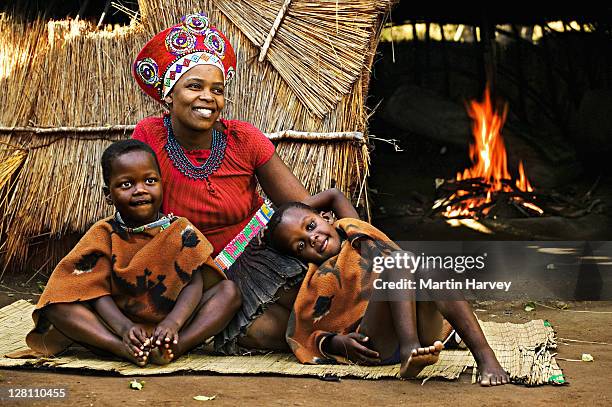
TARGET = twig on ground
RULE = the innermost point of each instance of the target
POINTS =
(580, 341)
(573, 310)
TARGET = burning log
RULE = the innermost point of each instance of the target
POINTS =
(477, 190)
(486, 190)
(476, 193)
(510, 201)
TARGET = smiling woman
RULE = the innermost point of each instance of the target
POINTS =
(197, 100)
(210, 170)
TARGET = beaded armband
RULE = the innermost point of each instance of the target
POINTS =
(234, 249)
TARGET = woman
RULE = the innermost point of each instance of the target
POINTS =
(210, 169)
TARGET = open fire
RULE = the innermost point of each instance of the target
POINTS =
(477, 191)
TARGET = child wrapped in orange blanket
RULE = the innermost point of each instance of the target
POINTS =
(335, 318)
(139, 285)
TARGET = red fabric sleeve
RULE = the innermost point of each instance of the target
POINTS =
(252, 145)
(140, 132)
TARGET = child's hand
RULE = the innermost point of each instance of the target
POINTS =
(166, 333)
(135, 338)
(350, 346)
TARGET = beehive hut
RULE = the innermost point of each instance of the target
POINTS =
(67, 92)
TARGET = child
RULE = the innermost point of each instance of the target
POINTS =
(333, 319)
(139, 285)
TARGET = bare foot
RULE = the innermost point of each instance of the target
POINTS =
(160, 355)
(492, 374)
(419, 358)
(139, 358)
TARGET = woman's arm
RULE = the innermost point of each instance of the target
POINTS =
(332, 199)
(278, 182)
(281, 186)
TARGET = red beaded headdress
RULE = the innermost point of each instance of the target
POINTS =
(174, 51)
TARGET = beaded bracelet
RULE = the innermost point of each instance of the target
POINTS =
(236, 246)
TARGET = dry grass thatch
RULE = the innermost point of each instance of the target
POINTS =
(67, 74)
(318, 50)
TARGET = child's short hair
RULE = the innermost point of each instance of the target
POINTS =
(277, 218)
(118, 149)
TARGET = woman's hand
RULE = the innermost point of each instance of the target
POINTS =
(332, 199)
(351, 346)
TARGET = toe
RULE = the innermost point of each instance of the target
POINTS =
(485, 381)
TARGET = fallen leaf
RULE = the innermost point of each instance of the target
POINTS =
(136, 385)
(41, 286)
(530, 306)
(587, 357)
(205, 398)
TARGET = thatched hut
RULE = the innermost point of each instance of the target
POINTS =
(68, 92)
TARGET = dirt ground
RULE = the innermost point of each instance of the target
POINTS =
(589, 382)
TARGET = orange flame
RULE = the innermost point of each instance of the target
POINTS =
(488, 155)
(523, 183)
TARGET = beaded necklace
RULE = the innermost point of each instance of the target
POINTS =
(162, 222)
(186, 167)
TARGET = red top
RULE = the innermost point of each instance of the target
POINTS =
(223, 209)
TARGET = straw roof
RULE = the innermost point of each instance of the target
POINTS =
(68, 93)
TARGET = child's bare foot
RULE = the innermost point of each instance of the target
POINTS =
(164, 352)
(492, 374)
(419, 358)
(160, 355)
(138, 357)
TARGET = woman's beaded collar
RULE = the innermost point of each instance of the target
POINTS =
(186, 167)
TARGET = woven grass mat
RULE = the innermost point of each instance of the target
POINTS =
(522, 349)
